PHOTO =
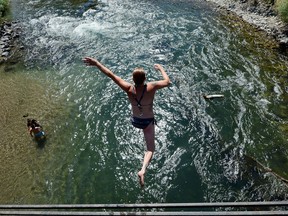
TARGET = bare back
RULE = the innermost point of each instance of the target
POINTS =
(146, 101)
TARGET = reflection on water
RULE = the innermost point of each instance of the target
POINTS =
(205, 148)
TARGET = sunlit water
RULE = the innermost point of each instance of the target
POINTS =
(203, 148)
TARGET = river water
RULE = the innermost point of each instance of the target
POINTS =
(206, 151)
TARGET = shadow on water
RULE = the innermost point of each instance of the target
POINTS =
(41, 142)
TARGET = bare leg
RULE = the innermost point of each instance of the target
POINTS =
(147, 157)
(149, 134)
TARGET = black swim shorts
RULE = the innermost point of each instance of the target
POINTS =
(141, 123)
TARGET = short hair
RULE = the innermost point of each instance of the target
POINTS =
(139, 76)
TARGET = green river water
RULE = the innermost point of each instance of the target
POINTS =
(206, 151)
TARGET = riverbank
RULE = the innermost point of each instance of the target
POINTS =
(259, 14)
(10, 44)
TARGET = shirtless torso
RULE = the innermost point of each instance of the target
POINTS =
(141, 99)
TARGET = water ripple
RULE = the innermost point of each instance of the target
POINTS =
(198, 142)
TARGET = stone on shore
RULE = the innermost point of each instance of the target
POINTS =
(9, 46)
(261, 15)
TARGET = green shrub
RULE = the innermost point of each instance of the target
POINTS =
(4, 5)
(282, 8)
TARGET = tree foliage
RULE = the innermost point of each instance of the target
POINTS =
(4, 5)
(282, 8)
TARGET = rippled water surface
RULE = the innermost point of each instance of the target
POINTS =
(205, 150)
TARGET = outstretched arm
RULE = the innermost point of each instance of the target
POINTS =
(161, 83)
(30, 131)
(120, 82)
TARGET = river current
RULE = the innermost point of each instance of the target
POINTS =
(206, 150)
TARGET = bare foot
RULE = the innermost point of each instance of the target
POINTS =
(141, 178)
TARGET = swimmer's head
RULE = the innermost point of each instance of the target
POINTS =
(139, 76)
(32, 123)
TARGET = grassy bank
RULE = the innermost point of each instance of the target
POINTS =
(282, 8)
